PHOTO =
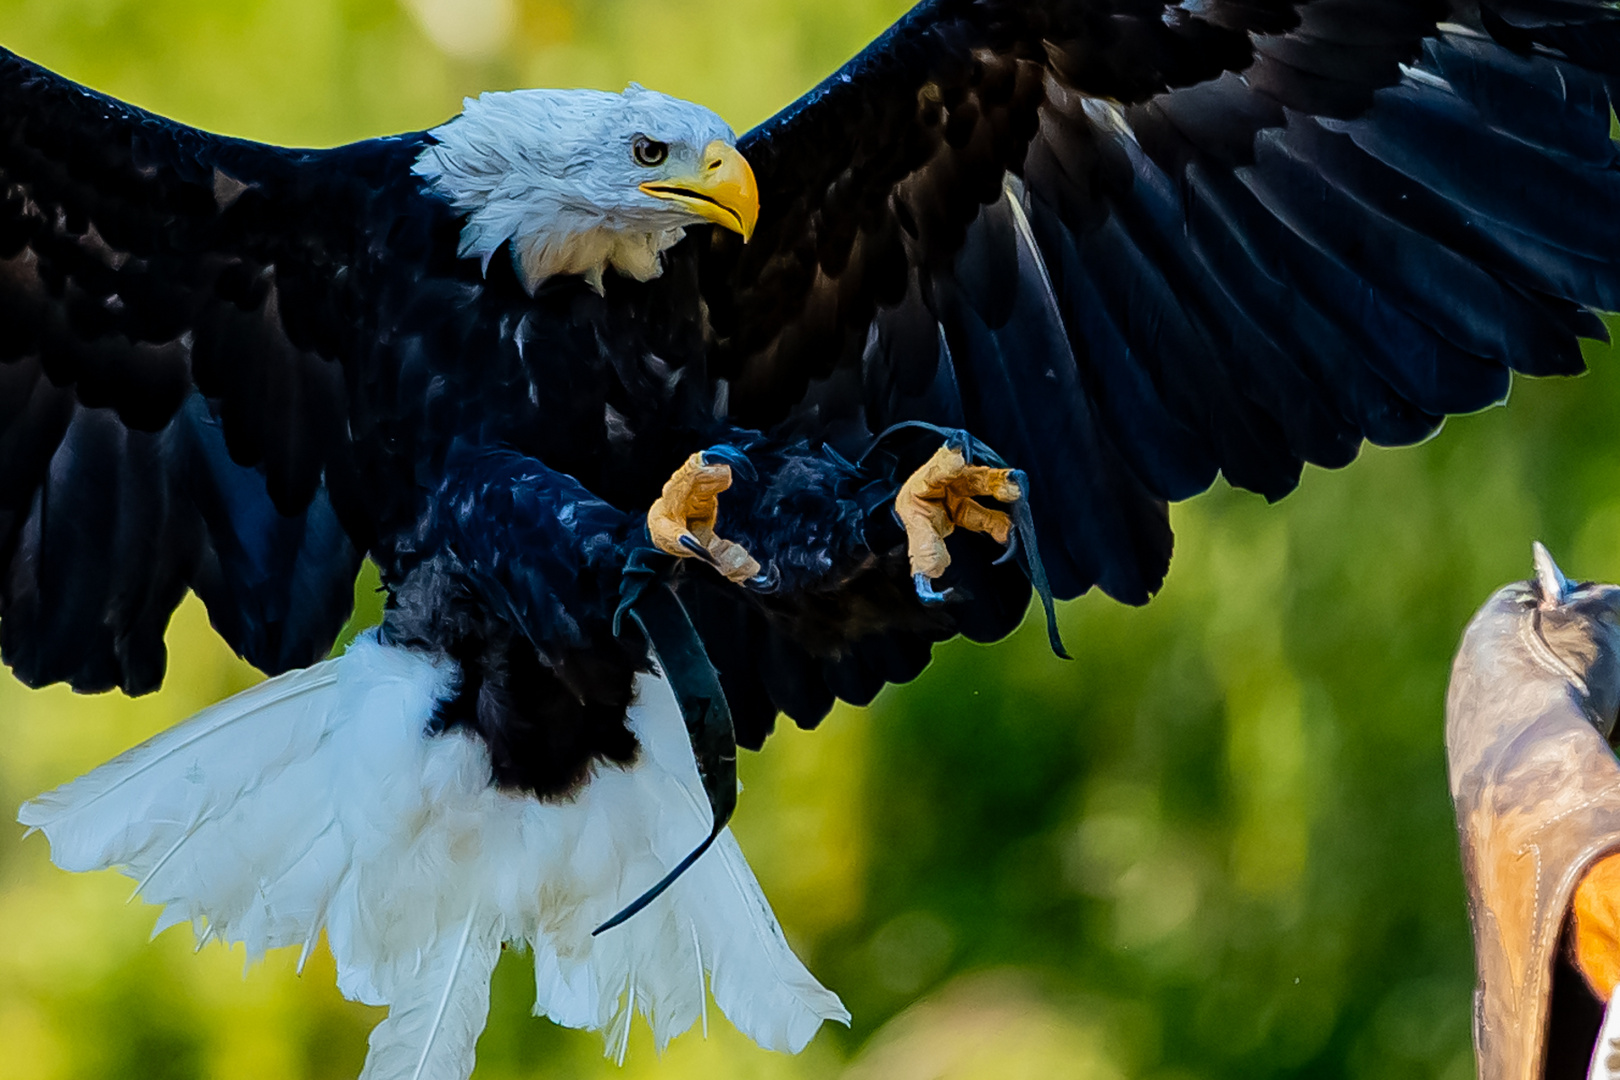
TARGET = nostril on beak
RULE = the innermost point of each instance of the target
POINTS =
(715, 164)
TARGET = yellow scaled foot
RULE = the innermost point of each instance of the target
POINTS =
(937, 499)
(681, 521)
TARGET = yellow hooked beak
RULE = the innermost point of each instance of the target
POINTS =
(722, 190)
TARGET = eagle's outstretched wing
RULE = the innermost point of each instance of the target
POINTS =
(1129, 244)
(184, 318)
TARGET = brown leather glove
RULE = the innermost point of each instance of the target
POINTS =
(1532, 704)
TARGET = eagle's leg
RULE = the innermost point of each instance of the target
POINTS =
(939, 498)
(682, 520)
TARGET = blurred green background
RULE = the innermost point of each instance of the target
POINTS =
(1217, 844)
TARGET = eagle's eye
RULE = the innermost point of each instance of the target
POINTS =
(649, 152)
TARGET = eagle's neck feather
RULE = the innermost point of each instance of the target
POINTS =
(587, 250)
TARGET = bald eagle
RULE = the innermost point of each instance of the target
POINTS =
(654, 433)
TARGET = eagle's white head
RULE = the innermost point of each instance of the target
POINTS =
(583, 180)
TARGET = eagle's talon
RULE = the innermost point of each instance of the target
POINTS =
(941, 497)
(926, 592)
(681, 521)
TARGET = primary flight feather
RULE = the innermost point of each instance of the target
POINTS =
(648, 425)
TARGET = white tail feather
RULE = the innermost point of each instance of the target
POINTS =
(434, 1021)
(318, 800)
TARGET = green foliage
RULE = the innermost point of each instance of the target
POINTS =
(1216, 845)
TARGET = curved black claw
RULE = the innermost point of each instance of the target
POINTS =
(1010, 552)
(925, 590)
(730, 455)
(766, 581)
(690, 543)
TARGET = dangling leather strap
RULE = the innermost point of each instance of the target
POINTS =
(685, 662)
(1034, 569)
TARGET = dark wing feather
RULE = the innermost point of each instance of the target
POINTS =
(1131, 244)
(175, 373)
